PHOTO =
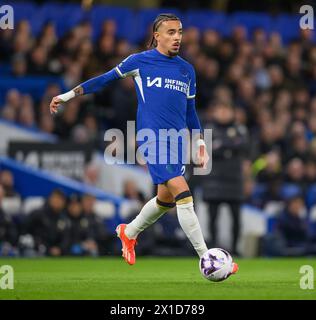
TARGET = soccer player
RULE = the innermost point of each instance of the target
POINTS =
(165, 85)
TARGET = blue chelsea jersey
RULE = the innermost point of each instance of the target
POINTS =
(163, 85)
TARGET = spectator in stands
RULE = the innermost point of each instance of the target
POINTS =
(124, 104)
(47, 124)
(48, 226)
(80, 239)
(8, 231)
(312, 150)
(97, 228)
(73, 74)
(51, 90)
(68, 119)
(13, 100)
(311, 126)
(8, 114)
(19, 66)
(297, 148)
(207, 79)
(87, 132)
(23, 39)
(109, 28)
(48, 38)
(24, 29)
(105, 50)
(26, 116)
(122, 49)
(79, 134)
(92, 174)
(38, 61)
(292, 226)
(267, 170)
(295, 173)
(132, 192)
(225, 182)
(310, 172)
(7, 183)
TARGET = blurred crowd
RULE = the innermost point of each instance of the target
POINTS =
(270, 86)
(59, 226)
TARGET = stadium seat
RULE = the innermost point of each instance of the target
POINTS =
(5, 69)
(290, 190)
(22, 10)
(66, 16)
(206, 19)
(12, 205)
(311, 196)
(129, 207)
(312, 214)
(288, 26)
(104, 209)
(32, 203)
(273, 208)
(250, 21)
(258, 193)
(133, 25)
(312, 222)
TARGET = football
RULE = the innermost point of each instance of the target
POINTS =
(217, 265)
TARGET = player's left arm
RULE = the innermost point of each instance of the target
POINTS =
(90, 86)
(193, 122)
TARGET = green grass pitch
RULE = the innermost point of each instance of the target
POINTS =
(153, 278)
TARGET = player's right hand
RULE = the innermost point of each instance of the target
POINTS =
(202, 157)
(55, 103)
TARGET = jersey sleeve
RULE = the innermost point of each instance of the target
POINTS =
(97, 83)
(128, 67)
(192, 85)
(192, 119)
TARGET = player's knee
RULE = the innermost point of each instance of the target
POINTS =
(165, 205)
(184, 197)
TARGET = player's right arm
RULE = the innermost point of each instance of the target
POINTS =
(193, 122)
(126, 68)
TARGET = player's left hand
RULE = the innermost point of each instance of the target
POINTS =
(202, 156)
